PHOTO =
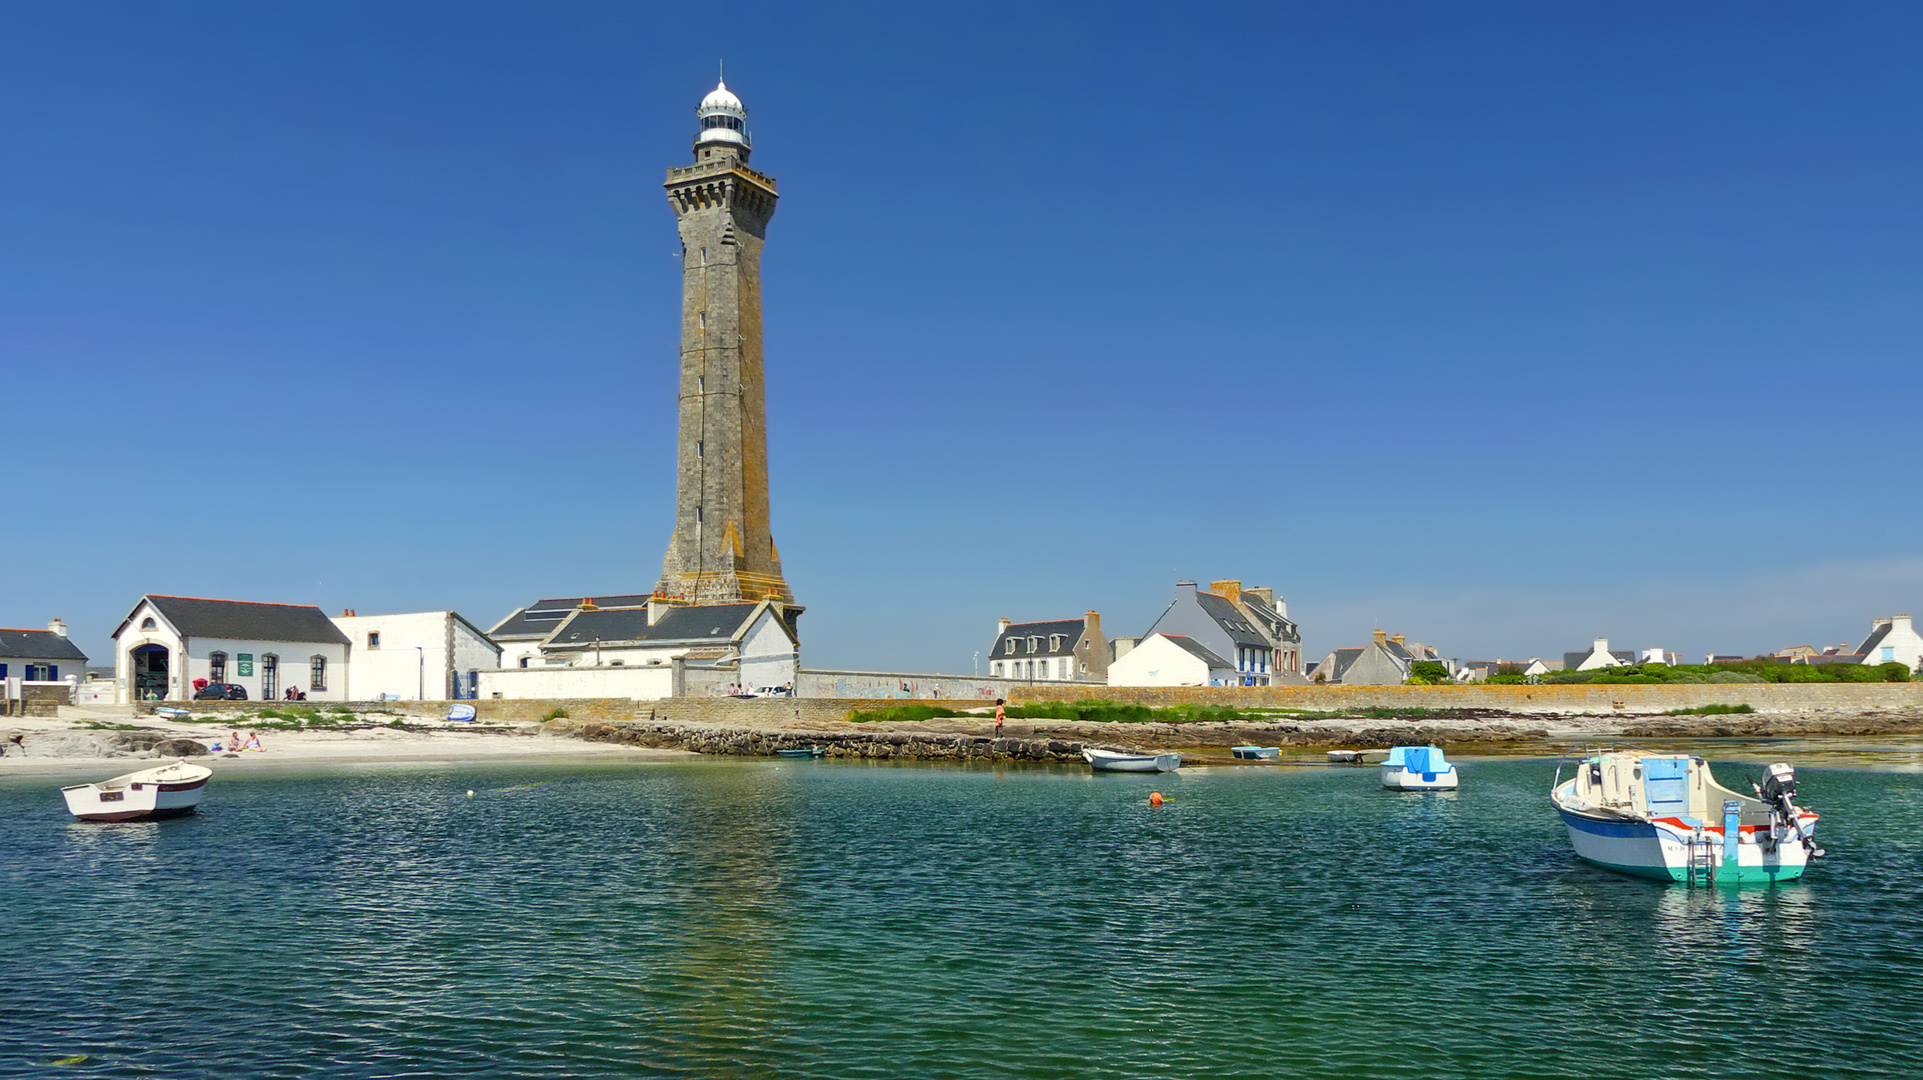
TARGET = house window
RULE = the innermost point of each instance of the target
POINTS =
(317, 673)
(1034, 645)
(40, 673)
(148, 623)
(373, 639)
(217, 667)
(523, 661)
(1010, 647)
(1054, 643)
(1889, 653)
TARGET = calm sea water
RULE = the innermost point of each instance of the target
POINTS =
(751, 919)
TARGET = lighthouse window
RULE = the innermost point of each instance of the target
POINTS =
(697, 515)
(700, 449)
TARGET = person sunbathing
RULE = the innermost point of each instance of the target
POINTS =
(253, 741)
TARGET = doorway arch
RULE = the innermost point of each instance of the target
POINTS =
(152, 672)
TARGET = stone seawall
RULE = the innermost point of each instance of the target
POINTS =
(762, 742)
(1574, 698)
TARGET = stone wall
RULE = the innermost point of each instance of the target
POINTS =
(1585, 698)
(761, 742)
(888, 684)
(764, 711)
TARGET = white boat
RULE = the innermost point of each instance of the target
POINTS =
(167, 791)
(1667, 818)
(1418, 768)
(1345, 757)
(1112, 761)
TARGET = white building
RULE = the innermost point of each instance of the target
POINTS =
(1171, 660)
(1892, 640)
(40, 655)
(417, 656)
(520, 634)
(594, 651)
(1598, 655)
(168, 642)
(1061, 650)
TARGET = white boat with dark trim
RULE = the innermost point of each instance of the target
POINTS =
(1667, 818)
(1418, 768)
(163, 792)
(1113, 761)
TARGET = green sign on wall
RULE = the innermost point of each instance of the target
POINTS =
(244, 664)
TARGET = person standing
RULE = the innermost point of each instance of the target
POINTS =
(1001, 713)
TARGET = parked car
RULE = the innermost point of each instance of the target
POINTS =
(221, 691)
(775, 691)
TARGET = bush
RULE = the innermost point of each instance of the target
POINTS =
(1711, 710)
(1428, 673)
(556, 713)
(1735, 677)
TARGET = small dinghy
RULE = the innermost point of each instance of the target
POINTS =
(1256, 753)
(460, 714)
(1664, 817)
(1418, 768)
(1345, 757)
(168, 791)
(1113, 761)
(802, 752)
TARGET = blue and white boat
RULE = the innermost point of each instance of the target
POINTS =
(1418, 768)
(1667, 818)
(1256, 753)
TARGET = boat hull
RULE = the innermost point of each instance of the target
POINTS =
(1109, 761)
(1397, 778)
(169, 791)
(1660, 850)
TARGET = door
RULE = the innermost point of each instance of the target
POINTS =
(269, 677)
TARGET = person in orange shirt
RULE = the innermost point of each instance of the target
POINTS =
(1001, 713)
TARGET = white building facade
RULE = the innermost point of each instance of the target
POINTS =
(169, 643)
(417, 656)
(1171, 660)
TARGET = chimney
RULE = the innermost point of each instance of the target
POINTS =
(1381, 636)
(1228, 590)
(1092, 624)
(1264, 594)
(60, 628)
(1899, 624)
(1602, 645)
(1001, 627)
(1397, 639)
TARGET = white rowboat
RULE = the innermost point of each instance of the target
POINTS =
(1111, 761)
(167, 791)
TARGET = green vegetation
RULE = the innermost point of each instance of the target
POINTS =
(901, 714)
(1746, 671)
(1099, 710)
(108, 725)
(1710, 710)
(556, 713)
(1428, 673)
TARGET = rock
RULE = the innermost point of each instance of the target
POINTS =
(179, 748)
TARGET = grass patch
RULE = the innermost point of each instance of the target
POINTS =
(901, 714)
(556, 713)
(1711, 710)
(109, 725)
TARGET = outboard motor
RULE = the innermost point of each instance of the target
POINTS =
(1778, 789)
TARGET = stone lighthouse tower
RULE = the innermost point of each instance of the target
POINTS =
(722, 550)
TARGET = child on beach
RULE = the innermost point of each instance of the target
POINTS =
(1001, 713)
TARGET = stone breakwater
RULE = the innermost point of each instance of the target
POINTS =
(83, 743)
(756, 742)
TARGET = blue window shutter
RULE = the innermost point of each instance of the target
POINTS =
(53, 672)
(3, 671)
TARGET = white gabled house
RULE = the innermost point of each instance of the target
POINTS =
(41, 655)
(1172, 660)
(167, 643)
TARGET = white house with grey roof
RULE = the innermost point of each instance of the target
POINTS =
(167, 642)
(646, 651)
(1058, 650)
(1171, 660)
(1598, 655)
(416, 655)
(1385, 661)
(521, 633)
(40, 655)
(1892, 641)
(1249, 628)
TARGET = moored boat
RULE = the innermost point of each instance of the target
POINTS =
(1115, 761)
(166, 791)
(802, 752)
(1345, 757)
(1667, 818)
(1256, 753)
(1418, 768)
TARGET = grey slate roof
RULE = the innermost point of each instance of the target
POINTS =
(1233, 620)
(1198, 650)
(38, 645)
(538, 620)
(1344, 660)
(1069, 629)
(246, 621)
(614, 626)
(1873, 642)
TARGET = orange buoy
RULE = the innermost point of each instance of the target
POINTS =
(1155, 798)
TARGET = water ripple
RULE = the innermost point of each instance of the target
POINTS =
(742, 919)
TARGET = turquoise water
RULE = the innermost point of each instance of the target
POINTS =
(751, 919)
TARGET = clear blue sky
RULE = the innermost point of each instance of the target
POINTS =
(1501, 325)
